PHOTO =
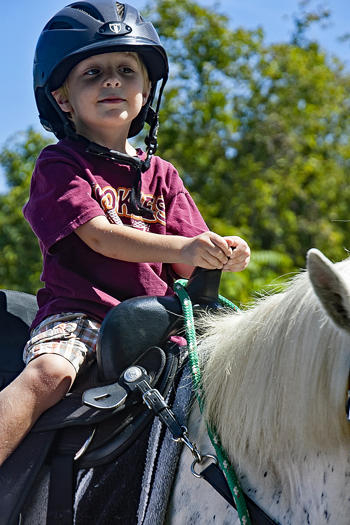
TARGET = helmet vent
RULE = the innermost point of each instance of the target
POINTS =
(120, 10)
(86, 10)
(60, 25)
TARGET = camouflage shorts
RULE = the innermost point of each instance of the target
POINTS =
(71, 335)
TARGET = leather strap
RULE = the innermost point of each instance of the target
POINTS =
(60, 501)
(19, 472)
(156, 402)
(215, 477)
(62, 478)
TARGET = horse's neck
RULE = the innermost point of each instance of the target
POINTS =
(316, 492)
(320, 487)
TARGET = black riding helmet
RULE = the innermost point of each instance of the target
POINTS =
(87, 28)
(83, 29)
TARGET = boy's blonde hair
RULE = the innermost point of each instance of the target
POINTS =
(63, 90)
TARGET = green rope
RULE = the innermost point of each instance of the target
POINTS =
(227, 468)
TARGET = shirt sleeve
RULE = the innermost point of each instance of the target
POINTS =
(60, 201)
(183, 216)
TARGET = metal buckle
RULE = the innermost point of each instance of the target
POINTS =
(149, 393)
(198, 457)
(191, 446)
(203, 459)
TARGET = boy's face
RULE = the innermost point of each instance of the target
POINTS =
(105, 93)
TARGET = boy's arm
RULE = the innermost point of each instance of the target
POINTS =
(183, 270)
(207, 250)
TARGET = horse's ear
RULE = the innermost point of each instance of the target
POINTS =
(330, 287)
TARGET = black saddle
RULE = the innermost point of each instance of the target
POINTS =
(17, 311)
(73, 434)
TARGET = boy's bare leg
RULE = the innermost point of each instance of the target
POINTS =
(44, 382)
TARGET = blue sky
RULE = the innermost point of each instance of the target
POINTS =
(22, 21)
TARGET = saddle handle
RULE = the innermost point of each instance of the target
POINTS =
(143, 322)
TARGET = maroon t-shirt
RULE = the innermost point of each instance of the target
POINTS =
(70, 187)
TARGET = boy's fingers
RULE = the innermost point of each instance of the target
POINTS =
(237, 264)
(239, 256)
(222, 244)
(217, 259)
(237, 244)
(214, 257)
(240, 252)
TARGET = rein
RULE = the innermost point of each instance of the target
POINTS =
(227, 468)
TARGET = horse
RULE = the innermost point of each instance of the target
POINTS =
(275, 378)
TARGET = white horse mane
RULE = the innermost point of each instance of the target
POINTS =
(275, 376)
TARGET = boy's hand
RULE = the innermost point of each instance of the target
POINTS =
(207, 250)
(240, 254)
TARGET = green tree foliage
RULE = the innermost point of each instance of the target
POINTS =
(259, 133)
(305, 17)
(20, 257)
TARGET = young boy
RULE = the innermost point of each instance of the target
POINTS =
(112, 221)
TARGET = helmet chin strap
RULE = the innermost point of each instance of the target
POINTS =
(151, 142)
(65, 129)
(140, 166)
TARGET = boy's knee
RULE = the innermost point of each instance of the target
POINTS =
(50, 374)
